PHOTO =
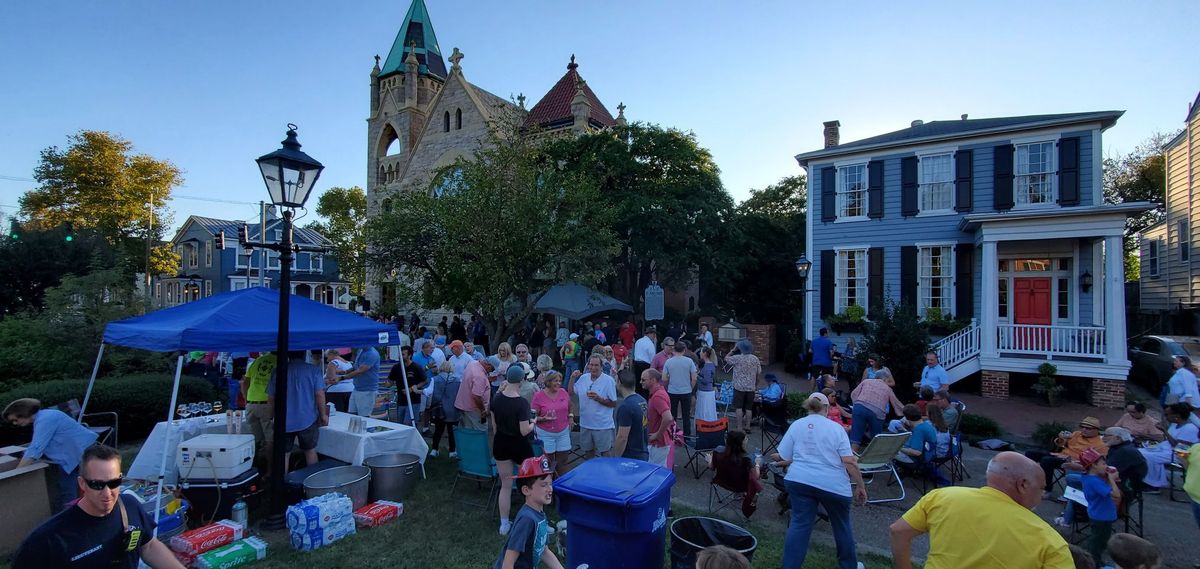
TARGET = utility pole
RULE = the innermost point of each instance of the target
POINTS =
(149, 236)
(262, 240)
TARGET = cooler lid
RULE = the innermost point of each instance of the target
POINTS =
(243, 478)
(619, 481)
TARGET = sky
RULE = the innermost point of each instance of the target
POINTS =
(211, 85)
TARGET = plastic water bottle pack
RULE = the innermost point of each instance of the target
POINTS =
(319, 521)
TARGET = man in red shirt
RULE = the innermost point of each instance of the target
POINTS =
(658, 418)
(620, 352)
(628, 333)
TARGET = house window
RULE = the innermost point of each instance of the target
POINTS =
(278, 235)
(934, 272)
(193, 256)
(315, 262)
(1034, 175)
(158, 290)
(851, 278)
(852, 191)
(936, 189)
(239, 284)
(273, 260)
(1064, 300)
(208, 251)
(207, 288)
(1152, 256)
(1003, 286)
(1181, 229)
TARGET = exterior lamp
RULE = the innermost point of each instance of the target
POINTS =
(289, 173)
(1085, 281)
(803, 266)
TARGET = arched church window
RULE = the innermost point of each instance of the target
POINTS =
(450, 183)
(458, 119)
(386, 206)
(446, 122)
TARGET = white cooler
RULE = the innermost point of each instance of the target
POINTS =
(215, 456)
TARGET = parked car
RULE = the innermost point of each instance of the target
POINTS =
(1151, 357)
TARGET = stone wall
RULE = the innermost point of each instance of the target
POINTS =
(995, 384)
(1108, 393)
(763, 338)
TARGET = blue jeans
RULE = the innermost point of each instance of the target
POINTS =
(805, 500)
(1196, 512)
(68, 487)
(864, 420)
(570, 366)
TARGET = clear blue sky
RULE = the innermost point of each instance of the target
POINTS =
(210, 85)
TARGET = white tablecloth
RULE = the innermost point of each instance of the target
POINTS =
(334, 441)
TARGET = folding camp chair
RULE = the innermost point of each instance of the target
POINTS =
(475, 463)
(878, 457)
(922, 468)
(962, 411)
(952, 463)
(774, 424)
(725, 397)
(709, 436)
(725, 493)
(105, 434)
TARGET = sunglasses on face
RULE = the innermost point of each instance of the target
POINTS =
(102, 484)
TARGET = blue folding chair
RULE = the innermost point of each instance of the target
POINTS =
(725, 396)
(475, 463)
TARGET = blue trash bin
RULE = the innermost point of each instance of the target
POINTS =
(616, 512)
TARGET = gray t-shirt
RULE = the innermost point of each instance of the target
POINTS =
(632, 413)
(528, 536)
(678, 372)
(368, 380)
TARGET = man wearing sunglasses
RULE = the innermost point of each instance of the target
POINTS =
(103, 529)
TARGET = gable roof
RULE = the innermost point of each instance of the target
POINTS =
(213, 226)
(950, 129)
(416, 29)
(1193, 109)
(554, 109)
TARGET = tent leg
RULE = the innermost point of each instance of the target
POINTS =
(408, 398)
(91, 383)
(162, 466)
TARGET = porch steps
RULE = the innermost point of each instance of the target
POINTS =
(959, 352)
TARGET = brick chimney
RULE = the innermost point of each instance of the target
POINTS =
(832, 137)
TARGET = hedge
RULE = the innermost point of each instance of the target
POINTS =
(979, 427)
(139, 400)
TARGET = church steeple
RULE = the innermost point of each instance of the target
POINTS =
(416, 36)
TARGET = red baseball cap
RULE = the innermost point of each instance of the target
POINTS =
(1088, 457)
(535, 467)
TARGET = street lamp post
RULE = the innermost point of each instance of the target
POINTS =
(803, 266)
(290, 176)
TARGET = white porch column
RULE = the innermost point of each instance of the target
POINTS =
(991, 301)
(1114, 299)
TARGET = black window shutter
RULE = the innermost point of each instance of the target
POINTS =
(1002, 180)
(908, 186)
(875, 189)
(875, 279)
(964, 280)
(1068, 171)
(908, 275)
(828, 194)
(963, 174)
(827, 282)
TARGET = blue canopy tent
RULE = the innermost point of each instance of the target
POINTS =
(575, 301)
(242, 320)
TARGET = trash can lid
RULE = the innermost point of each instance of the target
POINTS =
(619, 481)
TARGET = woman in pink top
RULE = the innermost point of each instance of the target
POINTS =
(552, 407)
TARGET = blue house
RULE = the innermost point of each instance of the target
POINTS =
(205, 270)
(998, 221)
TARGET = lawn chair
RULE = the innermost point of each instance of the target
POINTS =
(723, 493)
(952, 463)
(878, 457)
(475, 463)
(725, 396)
(774, 423)
(105, 434)
(922, 469)
(709, 436)
(962, 411)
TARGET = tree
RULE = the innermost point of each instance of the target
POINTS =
(38, 259)
(670, 207)
(754, 273)
(896, 335)
(344, 210)
(1138, 176)
(507, 224)
(97, 183)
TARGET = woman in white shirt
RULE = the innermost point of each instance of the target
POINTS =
(1182, 385)
(820, 468)
(1179, 432)
(335, 365)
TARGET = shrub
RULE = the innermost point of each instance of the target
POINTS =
(139, 400)
(1045, 433)
(791, 355)
(897, 335)
(979, 426)
(795, 404)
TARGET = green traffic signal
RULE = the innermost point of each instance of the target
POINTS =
(70, 238)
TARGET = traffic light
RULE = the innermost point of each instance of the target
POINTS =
(14, 230)
(244, 235)
(221, 240)
(70, 232)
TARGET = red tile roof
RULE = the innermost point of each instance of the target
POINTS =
(555, 105)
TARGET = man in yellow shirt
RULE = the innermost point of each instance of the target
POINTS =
(1191, 484)
(258, 411)
(990, 527)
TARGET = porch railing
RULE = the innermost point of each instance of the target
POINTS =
(1050, 341)
(958, 347)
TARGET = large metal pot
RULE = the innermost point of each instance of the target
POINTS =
(393, 476)
(353, 481)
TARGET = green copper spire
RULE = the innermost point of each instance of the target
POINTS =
(416, 30)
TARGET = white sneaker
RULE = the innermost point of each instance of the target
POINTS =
(504, 525)
(434, 453)
(860, 565)
(454, 454)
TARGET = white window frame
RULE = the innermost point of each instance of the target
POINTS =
(844, 282)
(208, 253)
(1153, 257)
(273, 261)
(316, 262)
(278, 236)
(844, 194)
(1183, 233)
(193, 256)
(925, 279)
(925, 182)
(207, 288)
(1022, 173)
(237, 283)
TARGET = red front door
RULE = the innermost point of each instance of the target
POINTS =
(1031, 305)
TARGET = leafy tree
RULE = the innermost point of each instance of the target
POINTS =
(38, 259)
(897, 336)
(671, 209)
(97, 183)
(508, 225)
(164, 260)
(344, 210)
(1138, 176)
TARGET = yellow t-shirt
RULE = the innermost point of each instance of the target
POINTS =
(1191, 484)
(259, 375)
(982, 527)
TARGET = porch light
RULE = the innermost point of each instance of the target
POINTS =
(1085, 281)
(803, 265)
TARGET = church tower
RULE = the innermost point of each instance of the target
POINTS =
(401, 92)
